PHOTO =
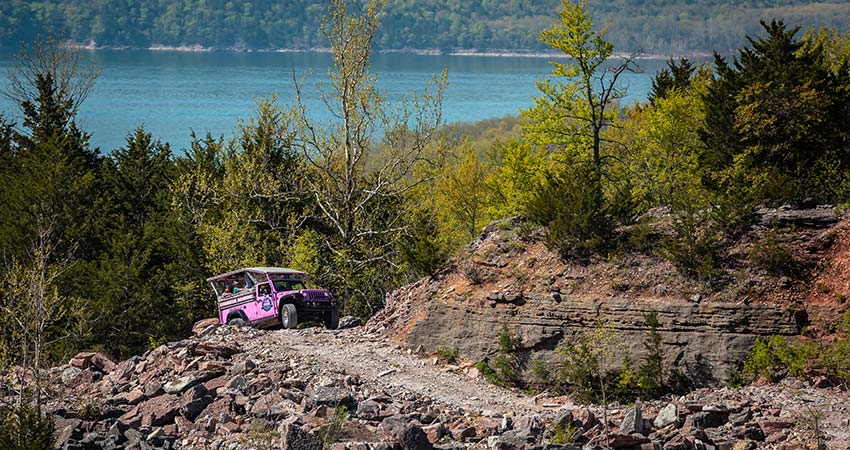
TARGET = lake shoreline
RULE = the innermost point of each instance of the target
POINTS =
(494, 53)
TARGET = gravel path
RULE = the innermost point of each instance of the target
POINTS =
(384, 366)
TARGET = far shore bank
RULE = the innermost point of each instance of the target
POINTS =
(495, 53)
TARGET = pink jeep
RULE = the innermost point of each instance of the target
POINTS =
(268, 296)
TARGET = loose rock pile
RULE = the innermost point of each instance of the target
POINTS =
(209, 392)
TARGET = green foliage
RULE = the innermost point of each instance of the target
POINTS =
(652, 378)
(694, 247)
(776, 121)
(305, 252)
(770, 254)
(582, 369)
(563, 434)
(25, 428)
(332, 430)
(835, 357)
(539, 375)
(448, 355)
(675, 77)
(775, 358)
(487, 372)
(658, 27)
(506, 363)
(570, 204)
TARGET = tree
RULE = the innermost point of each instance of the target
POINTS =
(576, 111)
(354, 183)
(777, 118)
(45, 199)
(676, 76)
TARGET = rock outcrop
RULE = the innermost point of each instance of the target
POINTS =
(528, 288)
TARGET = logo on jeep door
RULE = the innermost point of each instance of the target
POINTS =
(267, 303)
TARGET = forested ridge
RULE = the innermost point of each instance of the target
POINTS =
(658, 27)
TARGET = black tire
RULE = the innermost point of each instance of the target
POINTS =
(288, 316)
(332, 319)
(237, 322)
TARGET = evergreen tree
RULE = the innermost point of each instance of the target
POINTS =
(677, 75)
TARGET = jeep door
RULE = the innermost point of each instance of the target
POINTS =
(264, 302)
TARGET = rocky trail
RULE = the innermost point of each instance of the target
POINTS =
(239, 388)
(388, 367)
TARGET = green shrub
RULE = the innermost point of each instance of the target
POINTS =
(487, 372)
(25, 428)
(652, 368)
(775, 358)
(580, 369)
(539, 376)
(693, 248)
(448, 355)
(574, 211)
(835, 358)
(563, 434)
(332, 430)
(424, 250)
(506, 363)
(629, 382)
(769, 254)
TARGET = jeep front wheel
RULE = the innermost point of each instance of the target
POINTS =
(332, 319)
(288, 316)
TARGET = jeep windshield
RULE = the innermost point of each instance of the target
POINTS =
(288, 281)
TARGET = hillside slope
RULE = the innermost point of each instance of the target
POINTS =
(509, 277)
(656, 27)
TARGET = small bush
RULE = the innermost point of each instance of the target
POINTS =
(652, 381)
(693, 248)
(775, 358)
(769, 254)
(563, 434)
(640, 237)
(572, 208)
(580, 369)
(539, 375)
(332, 430)
(25, 428)
(447, 355)
(506, 363)
(424, 250)
(487, 372)
(473, 273)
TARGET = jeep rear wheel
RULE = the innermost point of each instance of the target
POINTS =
(288, 316)
(332, 319)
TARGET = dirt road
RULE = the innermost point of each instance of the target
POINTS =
(399, 373)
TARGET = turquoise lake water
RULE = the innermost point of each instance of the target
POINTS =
(172, 93)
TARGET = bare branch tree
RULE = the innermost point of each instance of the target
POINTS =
(72, 72)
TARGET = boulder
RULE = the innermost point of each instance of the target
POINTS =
(179, 385)
(632, 421)
(668, 414)
(204, 326)
(159, 410)
(704, 419)
(332, 396)
(295, 438)
(194, 401)
(349, 322)
(218, 350)
(88, 360)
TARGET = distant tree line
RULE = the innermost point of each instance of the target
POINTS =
(663, 26)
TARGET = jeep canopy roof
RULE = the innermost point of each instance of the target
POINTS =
(282, 270)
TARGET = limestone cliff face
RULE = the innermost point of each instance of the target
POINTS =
(545, 302)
